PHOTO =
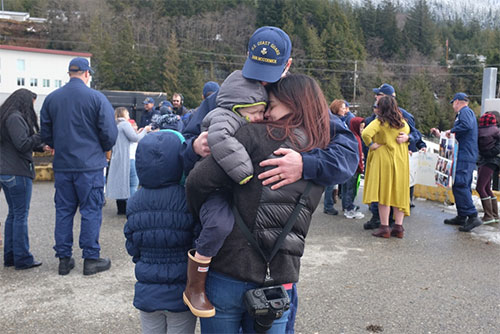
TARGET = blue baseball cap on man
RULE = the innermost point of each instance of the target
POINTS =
(148, 100)
(80, 64)
(460, 97)
(269, 49)
(385, 89)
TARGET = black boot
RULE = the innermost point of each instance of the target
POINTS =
(94, 266)
(121, 205)
(65, 265)
(372, 224)
(471, 223)
(458, 220)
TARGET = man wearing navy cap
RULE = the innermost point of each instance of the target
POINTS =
(413, 138)
(149, 112)
(78, 122)
(269, 51)
(465, 130)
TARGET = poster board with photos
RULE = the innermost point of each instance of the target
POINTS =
(444, 173)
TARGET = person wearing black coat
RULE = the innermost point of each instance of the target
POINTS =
(19, 137)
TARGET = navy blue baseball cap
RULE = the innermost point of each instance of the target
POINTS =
(79, 64)
(460, 97)
(148, 100)
(165, 103)
(269, 49)
(385, 89)
(209, 88)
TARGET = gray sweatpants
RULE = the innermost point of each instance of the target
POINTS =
(165, 322)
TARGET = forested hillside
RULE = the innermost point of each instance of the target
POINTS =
(177, 45)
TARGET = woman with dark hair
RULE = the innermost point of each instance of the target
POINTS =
(18, 138)
(387, 176)
(298, 118)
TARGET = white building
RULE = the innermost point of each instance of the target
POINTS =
(39, 70)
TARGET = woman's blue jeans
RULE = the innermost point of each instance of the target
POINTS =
(17, 191)
(226, 294)
(134, 180)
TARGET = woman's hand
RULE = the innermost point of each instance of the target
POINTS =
(374, 146)
(288, 168)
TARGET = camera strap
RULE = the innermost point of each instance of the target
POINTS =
(286, 229)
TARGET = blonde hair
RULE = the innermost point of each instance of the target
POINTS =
(120, 112)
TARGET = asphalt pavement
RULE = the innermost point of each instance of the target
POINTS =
(435, 280)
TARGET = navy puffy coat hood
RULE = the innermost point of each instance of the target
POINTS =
(159, 229)
(157, 159)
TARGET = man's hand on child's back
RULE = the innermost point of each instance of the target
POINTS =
(200, 145)
(288, 168)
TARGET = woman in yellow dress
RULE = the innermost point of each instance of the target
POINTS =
(387, 176)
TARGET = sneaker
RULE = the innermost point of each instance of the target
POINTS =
(331, 211)
(351, 214)
(356, 208)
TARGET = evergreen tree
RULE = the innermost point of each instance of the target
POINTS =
(191, 81)
(387, 29)
(419, 28)
(171, 64)
(100, 43)
(126, 65)
(423, 106)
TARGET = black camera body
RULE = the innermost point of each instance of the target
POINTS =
(266, 305)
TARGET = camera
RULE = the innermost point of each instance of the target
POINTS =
(266, 305)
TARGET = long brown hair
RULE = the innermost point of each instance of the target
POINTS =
(303, 96)
(336, 105)
(20, 101)
(388, 111)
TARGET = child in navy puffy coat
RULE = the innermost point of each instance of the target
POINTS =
(160, 231)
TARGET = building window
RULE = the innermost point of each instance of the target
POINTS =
(57, 83)
(33, 82)
(46, 83)
(20, 65)
(20, 81)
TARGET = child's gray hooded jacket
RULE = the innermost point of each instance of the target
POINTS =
(223, 122)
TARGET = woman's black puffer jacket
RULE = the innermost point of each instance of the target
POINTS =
(263, 210)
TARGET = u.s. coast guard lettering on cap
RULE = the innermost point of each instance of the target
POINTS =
(264, 51)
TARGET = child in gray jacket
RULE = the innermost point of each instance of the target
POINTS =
(239, 101)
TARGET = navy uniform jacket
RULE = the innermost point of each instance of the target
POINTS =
(147, 117)
(333, 165)
(465, 130)
(79, 123)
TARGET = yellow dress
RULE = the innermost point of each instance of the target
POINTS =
(387, 175)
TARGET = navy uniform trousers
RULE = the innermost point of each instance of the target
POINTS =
(462, 188)
(73, 190)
